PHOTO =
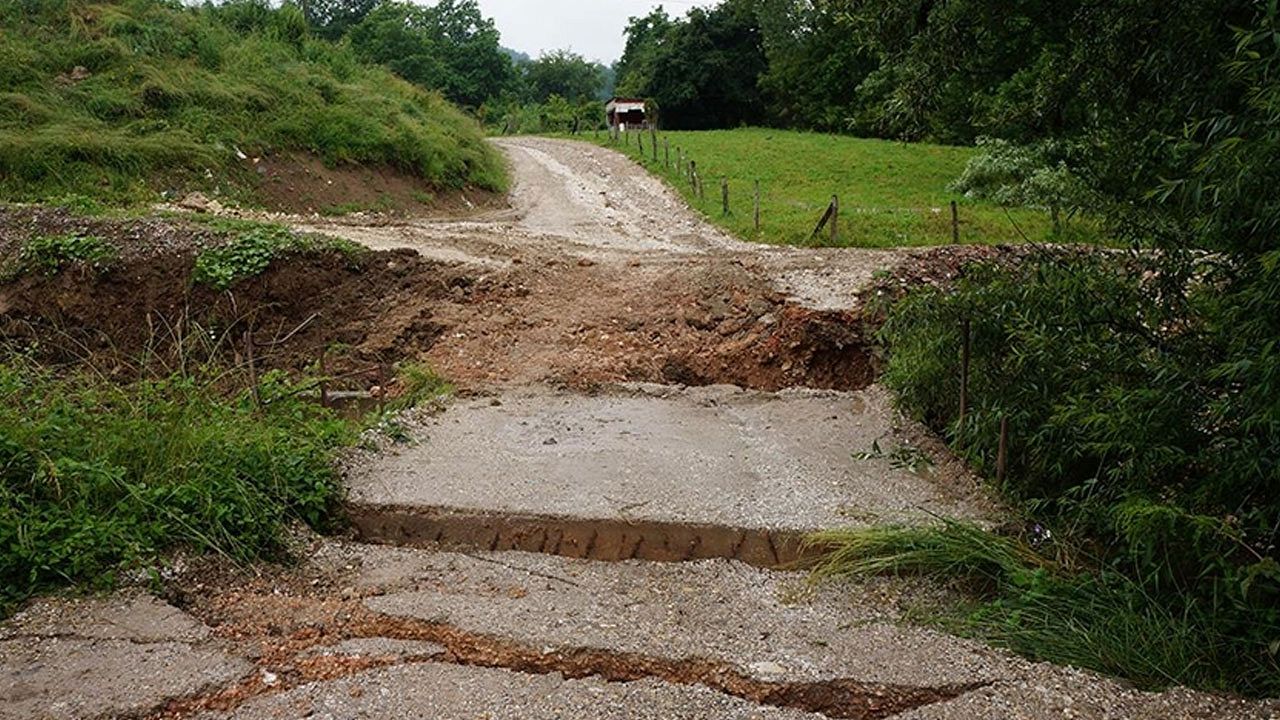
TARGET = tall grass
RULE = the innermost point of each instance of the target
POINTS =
(1030, 602)
(168, 96)
(98, 478)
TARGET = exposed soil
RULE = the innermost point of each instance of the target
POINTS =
(581, 324)
(303, 184)
(604, 539)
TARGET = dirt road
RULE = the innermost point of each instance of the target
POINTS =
(601, 525)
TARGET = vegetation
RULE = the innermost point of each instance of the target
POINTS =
(891, 194)
(47, 254)
(250, 252)
(1040, 607)
(116, 100)
(99, 479)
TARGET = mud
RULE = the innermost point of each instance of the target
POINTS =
(604, 539)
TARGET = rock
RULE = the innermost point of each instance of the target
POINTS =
(197, 202)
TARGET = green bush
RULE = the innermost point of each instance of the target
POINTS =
(1144, 424)
(96, 479)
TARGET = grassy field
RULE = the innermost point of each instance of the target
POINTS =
(891, 193)
(116, 101)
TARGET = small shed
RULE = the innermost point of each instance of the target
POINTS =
(626, 113)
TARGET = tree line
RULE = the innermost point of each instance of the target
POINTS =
(451, 47)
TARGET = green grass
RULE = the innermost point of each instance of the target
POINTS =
(117, 101)
(1025, 599)
(891, 193)
(101, 480)
(48, 254)
(252, 250)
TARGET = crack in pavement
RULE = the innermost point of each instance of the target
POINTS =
(285, 666)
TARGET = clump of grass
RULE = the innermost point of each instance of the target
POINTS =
(1027, 600)
(48, 254)
(253, 250)
(97, 478)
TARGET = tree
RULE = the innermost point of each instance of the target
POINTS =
(703, 70)
(563, 73)
(448, 47)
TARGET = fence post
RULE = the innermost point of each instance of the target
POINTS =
(757, 206)
(724, 194)
(965, 350)
(666, 153)
(1002, 453)
(653, 141)
(835, 219)
(955, 223)
(693, 175)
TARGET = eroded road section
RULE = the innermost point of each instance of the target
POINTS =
(601, 524)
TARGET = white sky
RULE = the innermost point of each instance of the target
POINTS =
(592, 28)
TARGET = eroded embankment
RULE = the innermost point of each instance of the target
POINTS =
(578, 324)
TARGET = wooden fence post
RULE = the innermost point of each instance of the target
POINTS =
(757, 206)
(724, 194)
(693, 175)
(653, 141)
(835, 219)
(955, 223)
(640, 144)
(324, 378)
(666, 153)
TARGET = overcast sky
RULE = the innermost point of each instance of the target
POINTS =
(592, 28)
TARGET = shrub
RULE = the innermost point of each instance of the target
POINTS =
(1142, 420)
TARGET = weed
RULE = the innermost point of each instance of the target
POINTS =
(48, 254)
(251, 252)
(100, 478)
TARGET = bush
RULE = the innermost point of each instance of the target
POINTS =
(1143, 421)
(251, 252)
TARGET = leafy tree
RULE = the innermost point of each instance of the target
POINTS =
(449, 46)
(331, 19)
(565, 74)
(703, 70)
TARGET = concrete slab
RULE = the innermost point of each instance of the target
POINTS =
(105, 658)
(451, 692)
(716, 455)
(769, 625)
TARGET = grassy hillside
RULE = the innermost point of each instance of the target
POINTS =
(116, 100)
(891, 193)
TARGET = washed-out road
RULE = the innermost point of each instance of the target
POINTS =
(593, 527)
